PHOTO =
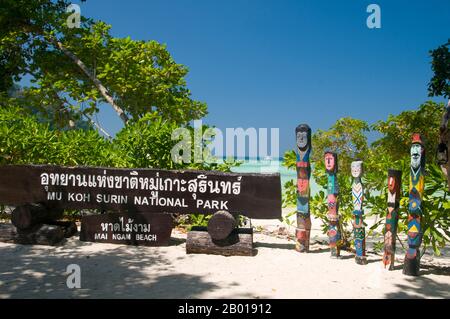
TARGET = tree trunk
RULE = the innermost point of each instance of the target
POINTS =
(221, 225)
(32, 29)
(96, 81)
(63, 107)
(41, 234)
(26, 216)
(69, 228)
(238, 243)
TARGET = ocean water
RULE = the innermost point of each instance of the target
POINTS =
(271, 166)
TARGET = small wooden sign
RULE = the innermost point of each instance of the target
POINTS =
(142, 190)
(127, 229)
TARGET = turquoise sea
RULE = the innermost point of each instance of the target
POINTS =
(270, 166)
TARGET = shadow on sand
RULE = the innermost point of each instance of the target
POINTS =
(420, 287)
(118, 272)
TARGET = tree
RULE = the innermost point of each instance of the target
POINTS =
(398, 129)
(440, 85)
(440, 64)
(75, 69)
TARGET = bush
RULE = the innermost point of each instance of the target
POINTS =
(147, 143)
(25, 140)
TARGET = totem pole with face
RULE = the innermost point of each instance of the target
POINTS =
(334, 234)
(303, 230)
(358, 212)
(444, 141)
(411, 265)
(393, 204)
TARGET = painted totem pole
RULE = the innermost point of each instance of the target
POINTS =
(303, 141)
(359, 232)
(416, 186)
(444, 141)
(334, 235)
(393, 204)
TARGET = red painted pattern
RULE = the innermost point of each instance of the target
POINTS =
(302, 185)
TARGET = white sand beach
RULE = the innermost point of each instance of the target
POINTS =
(276, 271)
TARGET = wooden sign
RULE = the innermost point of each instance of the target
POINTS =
(127, 228)
(142, 190)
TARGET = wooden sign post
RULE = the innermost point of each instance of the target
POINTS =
(334, 234)
(393, 204)
(359, 232)
(303, 230)
(411, 264)
(142, 190)
(36, 223)
(131, 192)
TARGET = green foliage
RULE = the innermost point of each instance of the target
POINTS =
(392, 150)
(140, 76)
(46, 122)
(24, 140)
(397, 130)
(378, 246)
(436, 221)
(147, 143)
(346, 138)
(440, 64)
(200, 220)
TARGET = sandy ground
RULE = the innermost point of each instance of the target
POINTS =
(276, 271)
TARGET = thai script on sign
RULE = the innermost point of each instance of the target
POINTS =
(126, 227)
(199, 184)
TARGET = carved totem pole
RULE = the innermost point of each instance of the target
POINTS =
(416, 186)
(358, 212)
(444, 141)
(393, 204)
(303, 141)
(334, 234)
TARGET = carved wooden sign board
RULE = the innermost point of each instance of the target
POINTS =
(139, 196)
(142, 190)
(127, 228)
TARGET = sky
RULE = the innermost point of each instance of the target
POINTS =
(277, 64)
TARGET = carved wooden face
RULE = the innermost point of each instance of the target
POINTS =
(302, 140)
(356, 168)
(329, 162)
(416, 155)
(391, 184)
(302, 186)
